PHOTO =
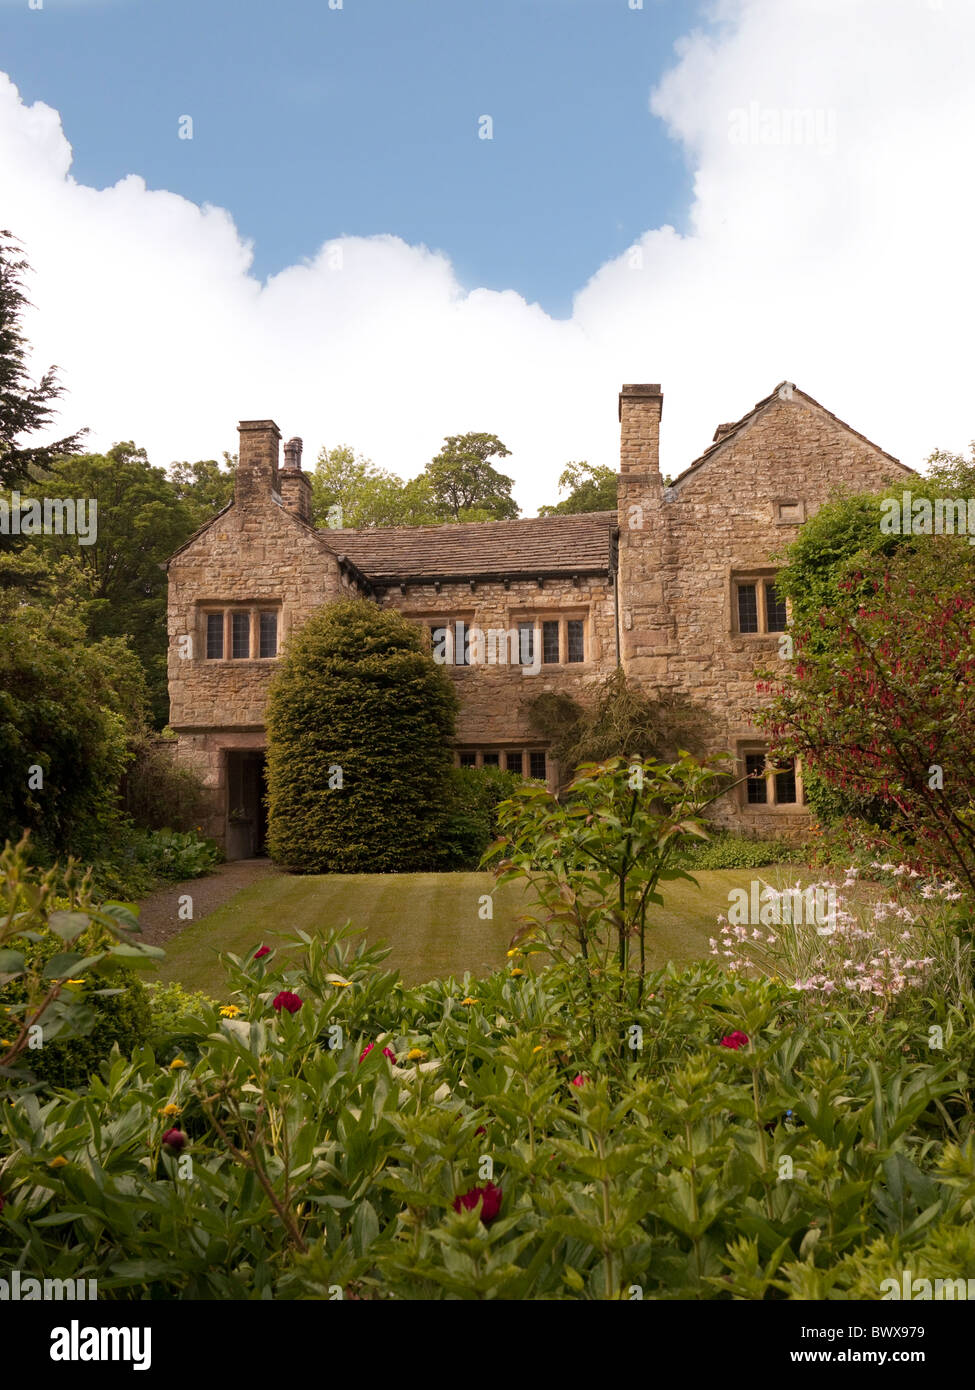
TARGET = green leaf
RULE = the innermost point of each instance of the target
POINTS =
(68, 925)
(137, 955)
(11, 963)
(61, 966)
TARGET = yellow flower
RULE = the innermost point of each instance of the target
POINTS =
(74, 982)
(176, 1063)
(539, 1048)
(5, 1042)
(229, 1011)
(514, 952)
(516, 971)
(59, 1162)
(468, 1000)
(415, 1054)
(171, 1109)
(341, 984)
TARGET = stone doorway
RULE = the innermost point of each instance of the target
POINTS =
(246, 803)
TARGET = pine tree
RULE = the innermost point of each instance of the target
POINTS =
(25, 407)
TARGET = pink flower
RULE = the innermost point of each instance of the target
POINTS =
(579, 1080)
(175, 1140)
(490, 1197)
(735, 1040)
(287, 1000)
(262, 951)
(386, 1052)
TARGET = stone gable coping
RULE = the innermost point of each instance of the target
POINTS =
(726, 432)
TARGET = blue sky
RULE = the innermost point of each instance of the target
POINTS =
(650, 209)
(311, 123)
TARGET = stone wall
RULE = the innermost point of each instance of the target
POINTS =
(494, 697)
(726, 517)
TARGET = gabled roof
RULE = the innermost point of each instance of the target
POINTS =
(725, 432)
(322, 536)
(211, 521)
(535, 546)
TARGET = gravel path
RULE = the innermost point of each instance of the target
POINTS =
(159, 913)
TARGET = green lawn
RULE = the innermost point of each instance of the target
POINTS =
(430, 920)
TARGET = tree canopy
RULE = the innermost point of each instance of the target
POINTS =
(460, 484)
(349, 490)
(591, 488)
(464, 484)
(141, 521)
(204, 486)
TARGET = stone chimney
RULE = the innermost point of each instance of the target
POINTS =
(294, 486)
(257, 467)
(640, 411)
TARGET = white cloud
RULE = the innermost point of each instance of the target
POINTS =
(831, 247)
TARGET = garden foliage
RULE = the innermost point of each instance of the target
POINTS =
(878, 700)
(333, 1134)
(66, 991)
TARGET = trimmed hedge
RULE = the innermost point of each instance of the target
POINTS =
(359, 717)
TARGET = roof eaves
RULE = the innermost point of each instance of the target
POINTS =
(391, 579)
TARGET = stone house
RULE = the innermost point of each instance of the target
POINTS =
(676, 586)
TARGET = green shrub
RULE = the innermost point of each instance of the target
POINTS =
(359, 716)
(471, 821)
(59, 712)
(736, 852)
(178, 1020)
(121, 1018)
(171, 1004)
(616, 718)
(172, 854)
(158, 793)
(141, 858)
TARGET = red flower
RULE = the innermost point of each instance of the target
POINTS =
(490, 1197)
(579, 1080)
(287, 1000)
(175, 1140)
(480, 1130)
(262, 951)
(386, 1052)
(735, 1040)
